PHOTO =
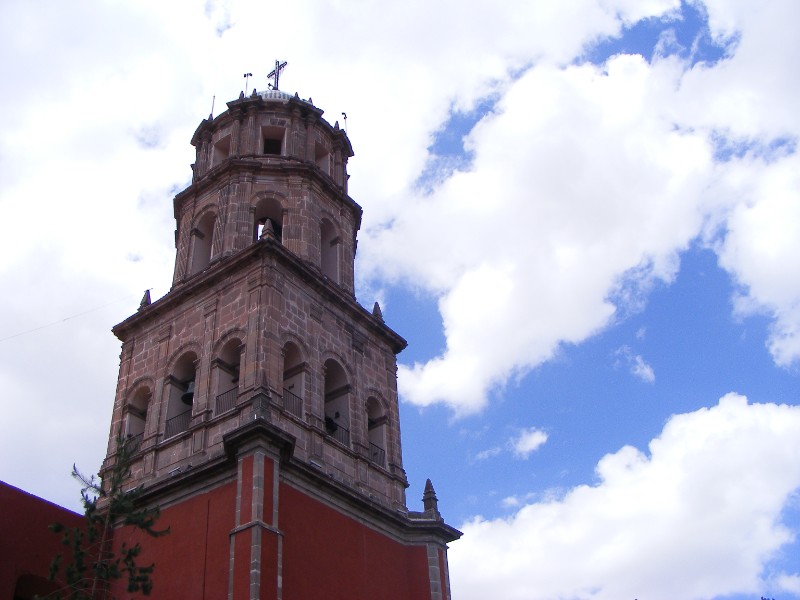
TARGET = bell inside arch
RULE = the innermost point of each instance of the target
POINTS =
(188, 395)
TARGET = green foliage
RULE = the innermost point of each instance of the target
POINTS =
(91, 564)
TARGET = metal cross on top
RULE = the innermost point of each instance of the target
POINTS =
(276, 73)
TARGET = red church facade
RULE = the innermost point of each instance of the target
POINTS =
(246, 539)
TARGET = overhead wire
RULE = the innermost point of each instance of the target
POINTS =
(80, 314)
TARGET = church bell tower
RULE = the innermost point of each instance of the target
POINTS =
(261, 395)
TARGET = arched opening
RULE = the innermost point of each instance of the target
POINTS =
(227, 367)
(377, 425)
(294, 370)
(136, 418)
(329, 250)
(181, 389)
(202, 239)
(337, 402)
(34, 586)
(268, 215)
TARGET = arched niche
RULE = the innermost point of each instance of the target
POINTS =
(180, 388)
(377, 431)
(294, 378)
(337, 402)
(268, 214)
(330, 247)
(202, 242)
(227, 369)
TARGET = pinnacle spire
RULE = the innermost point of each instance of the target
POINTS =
(429, 500)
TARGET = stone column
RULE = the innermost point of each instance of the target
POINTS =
(256, 541)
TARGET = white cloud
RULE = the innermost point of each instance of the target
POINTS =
(510, 502)
(638, 367)
(527, 442)
(521, 445)
(789, 583)
(602, 202)
(587, 183)
(762, 247)
(488, 453)
(705, 502)
(642, 370)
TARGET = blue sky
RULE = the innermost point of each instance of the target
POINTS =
(582, 216)
(589, 400)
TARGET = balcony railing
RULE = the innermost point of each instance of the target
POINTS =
(338, 432)
(377, 454)
(226, 401)
(292, 403)
(178, 424)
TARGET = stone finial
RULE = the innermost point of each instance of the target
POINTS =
(241, 95)
(336, 126)
(310, 101)
(429, 500)
(145, 300)
(254, 94)
(268, 230)
(378, 314)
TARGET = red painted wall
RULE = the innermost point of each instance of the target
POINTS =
(327, 555)
(192, 560)
(27, 546)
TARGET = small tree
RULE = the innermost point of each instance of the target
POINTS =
(90, 564)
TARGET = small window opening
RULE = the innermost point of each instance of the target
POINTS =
(322, 158)
(272, 146)
(222, 150)
(273, 140)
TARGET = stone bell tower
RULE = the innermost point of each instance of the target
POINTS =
(261, 394)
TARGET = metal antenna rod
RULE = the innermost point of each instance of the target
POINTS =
(344, 114)
(247, 77)
(211, 116)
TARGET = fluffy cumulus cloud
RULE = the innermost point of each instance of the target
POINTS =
(580, 195)
(761, 247)
(585, 184)
(104, 97)
(705, 502)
